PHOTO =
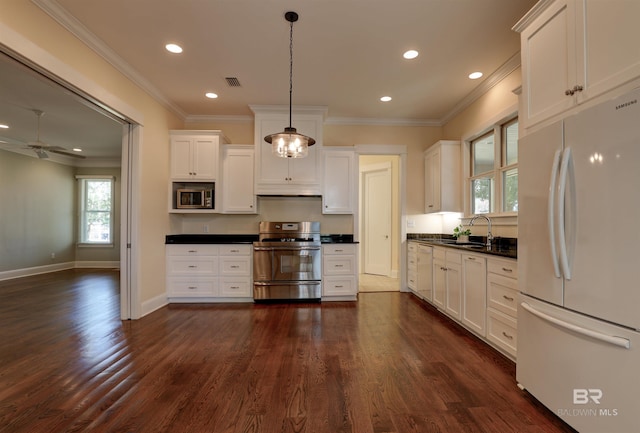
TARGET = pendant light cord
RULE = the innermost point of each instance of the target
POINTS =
(290, 70)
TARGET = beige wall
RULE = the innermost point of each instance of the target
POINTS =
(37, 212)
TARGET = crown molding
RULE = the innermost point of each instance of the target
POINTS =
(204, 118)
(492, 80)
(75, 27)
(381, 121)
(530, 16)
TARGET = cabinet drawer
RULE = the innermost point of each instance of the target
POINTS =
(339, 286)
(194, 266)
(235, 250)
(412, 279)
(339, 265)
(235, 287)
(502, 330)
(192, 287)
(192, 250)
(503, 294)
(412, 262)
(339, 249)
(412, 247)
(508, 268)
(235, 265)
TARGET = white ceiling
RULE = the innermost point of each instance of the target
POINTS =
(347, 53)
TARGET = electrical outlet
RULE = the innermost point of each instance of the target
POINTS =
(411, 224)
(53, 255)
(205, 228)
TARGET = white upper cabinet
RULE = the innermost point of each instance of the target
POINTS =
(194, 154)
(339, 188)
(442, 177)
(573, 51)
(237, 179)
(288, 176)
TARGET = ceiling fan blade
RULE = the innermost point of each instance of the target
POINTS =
(65, 153)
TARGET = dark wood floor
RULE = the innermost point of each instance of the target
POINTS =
(387, 363)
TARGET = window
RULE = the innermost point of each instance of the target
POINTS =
(96, 210)
(493, 181)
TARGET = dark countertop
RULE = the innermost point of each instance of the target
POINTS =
(503, 247)
(243, 239)
(210, 239)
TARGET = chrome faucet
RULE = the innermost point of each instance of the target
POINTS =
(489, 235)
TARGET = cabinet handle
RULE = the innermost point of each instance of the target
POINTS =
(339, 286)
(576, 88)
(234, 251)
(508, 298)
(192, 287)
(234, 266)
(430, 205)
(192, 251)
(234, 287)
(339, 251)
(339, 266)
(507, 269)
(193, 266)
(471, 258)
(443, 268)
(510, 337)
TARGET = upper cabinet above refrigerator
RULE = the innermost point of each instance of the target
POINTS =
(573, 51)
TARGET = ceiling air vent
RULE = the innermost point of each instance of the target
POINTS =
(233, 82)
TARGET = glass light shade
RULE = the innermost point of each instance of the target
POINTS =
(289, 144)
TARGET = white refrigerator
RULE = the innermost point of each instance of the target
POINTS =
(579, 267)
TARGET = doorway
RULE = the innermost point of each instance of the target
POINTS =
(379, 216)
(43, 89)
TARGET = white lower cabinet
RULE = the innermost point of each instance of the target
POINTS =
(479, 291)
(412, 266)
(205, 272)
(474, 292)
(502, 304)
(339, 272)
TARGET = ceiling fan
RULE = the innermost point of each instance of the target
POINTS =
(40, 148)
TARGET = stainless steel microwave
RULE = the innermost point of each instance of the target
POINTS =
(195, 198)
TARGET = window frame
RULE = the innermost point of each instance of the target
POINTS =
(82, 189)
(498, 129)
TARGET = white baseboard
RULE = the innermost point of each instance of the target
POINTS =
(98, 264)
(37, 270)
(153, 304)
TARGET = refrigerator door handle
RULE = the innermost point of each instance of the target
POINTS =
(611, 339)
(551, 213)
(564, 168)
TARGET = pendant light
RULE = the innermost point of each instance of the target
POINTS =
(290, 144)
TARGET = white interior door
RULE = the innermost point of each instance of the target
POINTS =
(376, 181)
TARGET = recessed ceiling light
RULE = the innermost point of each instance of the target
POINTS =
(173, 48)
(475, 75)
(211, 95)
(77, 149)
(385, 98)
(411, 54)
(3, 126)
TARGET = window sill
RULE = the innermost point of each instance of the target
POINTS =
(94, 245)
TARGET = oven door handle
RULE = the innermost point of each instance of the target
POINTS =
(284, 248)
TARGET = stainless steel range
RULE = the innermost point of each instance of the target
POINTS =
(287, 262)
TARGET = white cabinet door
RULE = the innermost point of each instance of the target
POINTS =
(608, 35)
(439, 277)
(453, 298)
(181, 158)
(237, 180)
(339, 181)
(425, 272)
(205, 157)
(474, 297)
(548, 62)
(442, 172)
